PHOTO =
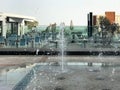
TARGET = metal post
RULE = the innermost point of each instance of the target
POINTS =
(32, 43)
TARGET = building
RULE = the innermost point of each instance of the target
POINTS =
(110, 16)
(90, 23)
(117, 19)
(13, 24)
(96, 19)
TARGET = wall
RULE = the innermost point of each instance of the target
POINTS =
(110, 16)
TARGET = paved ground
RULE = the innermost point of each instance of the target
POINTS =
(68, 47)
(76, 78)
(7, 61)
(79, 77)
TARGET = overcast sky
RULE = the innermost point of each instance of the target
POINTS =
(50, 11)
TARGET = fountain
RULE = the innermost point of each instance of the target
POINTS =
(37, 51)
(46, 76)
(83, 72)
(62, 42)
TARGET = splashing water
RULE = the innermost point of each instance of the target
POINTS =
(37, 51)
(112, 74)
(62, 26)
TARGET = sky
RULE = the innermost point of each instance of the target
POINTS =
(57, 11)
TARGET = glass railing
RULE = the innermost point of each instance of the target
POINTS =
(38, 38)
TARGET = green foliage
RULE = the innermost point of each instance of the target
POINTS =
(71, 25)
(114, 27)
(31, 24)
(108, 30)
(53, 27)
(106, 25)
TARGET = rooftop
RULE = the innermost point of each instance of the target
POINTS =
(17, 16)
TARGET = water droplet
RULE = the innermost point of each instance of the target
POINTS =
(48, 53)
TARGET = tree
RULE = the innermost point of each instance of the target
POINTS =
(31, 24)
(104, 23)
(53, 29)
(114, 27)
(71, 25)
(107, 28)
(71, 28)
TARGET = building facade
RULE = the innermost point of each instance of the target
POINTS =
(117, 19)
(96, 19)
(13, 24)
(110, 16)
